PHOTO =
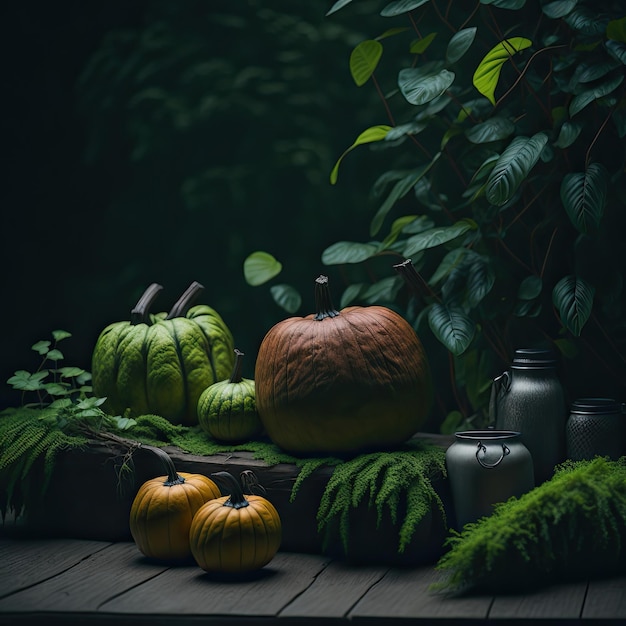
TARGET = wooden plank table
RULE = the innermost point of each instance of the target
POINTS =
(80, 581)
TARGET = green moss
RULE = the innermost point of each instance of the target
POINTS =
(571, 527)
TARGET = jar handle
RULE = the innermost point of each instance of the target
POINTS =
(482, 448)
(500, 384)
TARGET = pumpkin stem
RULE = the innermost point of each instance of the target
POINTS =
(235, 376)
(139, 314)
(236, 500)
(181, 306)
(411, 277)
(173, 478)
(323, 301)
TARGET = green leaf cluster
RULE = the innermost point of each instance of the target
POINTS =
(502, 129)
(570, 527)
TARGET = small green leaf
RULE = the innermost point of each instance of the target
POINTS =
(348, 252)
(25, 381)
(451, 261)
(460, 44)
(530, 288)
(487, 73)
(123, 423)
(492, 129)
(398, 7)
(57, 389)
(580, 101)
(384, 290)
(396, 228)
(374, 133)
(286, 297)
(60, 334)
(436, 237)
(338, 5)
(452, 327)
(573, 298)
(70, 372)
(584, 196)
(616, 30)
(55, 355)
(419, 46)
(421, 85)
(41, 347)
(364, 60)
(513, 166)
(559, 8)
(391, 32)
(259, 267)
(351, 294)
(568, 134)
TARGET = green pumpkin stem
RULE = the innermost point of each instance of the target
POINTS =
(173, 478)
(236, 500)
(323, 301)
(182, 305)
(410, 276)
(235, 376)
(139, 314)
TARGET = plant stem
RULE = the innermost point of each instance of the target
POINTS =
(139, 314)
(323, 301)
(236, 500)
(181, 306)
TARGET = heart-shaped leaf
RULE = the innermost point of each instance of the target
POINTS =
(488, 71)
(513, 167)
(348, 252)
(452, 327)
(584, 196)
(436, 237)
(419, 86)
(286, 297)
(259, 267)
(559, 8)
(573, 298)
(492, 129)
(460, 44)
(364, 60)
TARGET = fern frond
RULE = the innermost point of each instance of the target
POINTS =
(570, 526)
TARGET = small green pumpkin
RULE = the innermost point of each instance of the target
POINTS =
(227, 409)
(161, 363)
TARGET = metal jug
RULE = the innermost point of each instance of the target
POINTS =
(486, 467)
(596, 426)
(529, 398)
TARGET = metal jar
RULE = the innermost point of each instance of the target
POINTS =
(486, 467)
(529, 398)
(596, 426)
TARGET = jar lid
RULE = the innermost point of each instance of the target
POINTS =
(488, 434)
(533, 358)
(596, 405)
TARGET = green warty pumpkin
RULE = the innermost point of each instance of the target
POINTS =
(161, 363)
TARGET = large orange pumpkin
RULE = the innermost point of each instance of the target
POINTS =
(342, 381)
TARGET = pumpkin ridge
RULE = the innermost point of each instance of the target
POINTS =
(178, 339)
(210, 353)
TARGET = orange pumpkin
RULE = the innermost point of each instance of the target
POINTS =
(161, 513)
(236, 533)
(342, 381)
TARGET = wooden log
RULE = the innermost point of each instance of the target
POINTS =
(90, 496)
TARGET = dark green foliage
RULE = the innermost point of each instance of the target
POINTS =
(384, 480)
(571, 527)
(502, 129)
(30, 440)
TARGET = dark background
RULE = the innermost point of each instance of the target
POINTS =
(150, 141)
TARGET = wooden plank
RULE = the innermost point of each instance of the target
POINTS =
(335, 591)
(405, 593)
(87, 584)
(190, 591)
(28, 562)
(562, 601)
(606, 599)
